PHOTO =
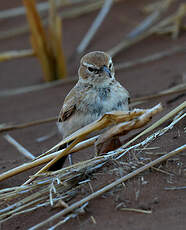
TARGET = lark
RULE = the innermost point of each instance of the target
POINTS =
(96, 93)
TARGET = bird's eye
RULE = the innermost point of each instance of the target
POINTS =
(90, 69)
(110, 65)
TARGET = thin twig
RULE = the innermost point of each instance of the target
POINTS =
(136, 210)
(9, 55)
(175, 89)
(43, 6)
(44, 159)
(6, 128)
(143, 30)
(73, 215)
(56, 47)
(95, 26)
(74, 12)
(56, 158)
(106, 120)
(32, 88)
(119, 66)
(19, 147)
(109, 187)
(150, 58)
(158, 123)
(175, 188)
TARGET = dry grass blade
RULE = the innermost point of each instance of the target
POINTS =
(125, 127)
(136, 210)
(19, 147)
(138, 122)
(135, 101)
(175, 188)
(9, 55)
(6, 128)
(109, 187)
(153, 57)
(55, 33)
(95, 26)
(175, 89)
(143, 30)
(123, 150)
(172, 24)
(44, 159)
(64, 153)
(150, 58)
(39, 40)
(72, 176)
(18, 11)
(158, 123)
(43, 6)
(74, 12)
(106, 120)
(32, 88)
(110, 118)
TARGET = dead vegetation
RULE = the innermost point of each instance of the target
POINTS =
(59, 189)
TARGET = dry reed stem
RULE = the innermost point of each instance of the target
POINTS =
(179, 20)
(143, 30)
(105, 121)
(37, 162)
(38, 87)
(158, 123)
(175, 188)
(19, 147)
(10, 127)
(136, 210)
(119, 66)
(180, 88)
(14, 54)
(138, 122)
(61, 175)
(150, 58)
(43, 6)
(110, 118)
(123, 150)
(152, 6)
(124, 128)
(74, 12)
(43, 160)
(59, 156)
(55, 33)
(108, 187)
(172, 24)
(39, 40)
(85, 164)
(175, 89)
(95, 26)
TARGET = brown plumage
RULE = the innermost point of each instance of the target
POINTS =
(96, 93)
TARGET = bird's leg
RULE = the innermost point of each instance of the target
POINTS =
(70, 159)
(69, 155)
(59, 164)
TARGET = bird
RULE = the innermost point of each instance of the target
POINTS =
(96, 93)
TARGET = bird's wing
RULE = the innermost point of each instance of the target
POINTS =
(125, 92)
(69, 106)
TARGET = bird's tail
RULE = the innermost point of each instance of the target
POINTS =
(59, 164)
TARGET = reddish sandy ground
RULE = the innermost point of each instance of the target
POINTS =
(168, 207)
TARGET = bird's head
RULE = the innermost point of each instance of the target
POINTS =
(96, 67)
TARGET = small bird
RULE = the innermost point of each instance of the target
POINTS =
(96, 93)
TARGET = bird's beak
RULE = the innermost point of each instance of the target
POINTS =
(107, 71)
